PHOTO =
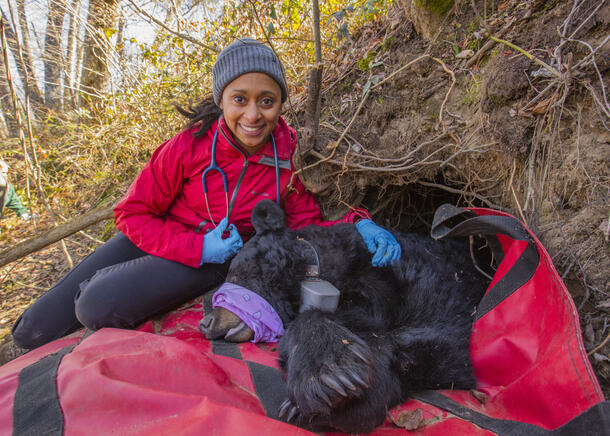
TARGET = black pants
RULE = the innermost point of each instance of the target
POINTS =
(118, 285)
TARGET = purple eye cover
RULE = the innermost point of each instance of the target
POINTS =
(252, 309)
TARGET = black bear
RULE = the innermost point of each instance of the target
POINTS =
(397, 330)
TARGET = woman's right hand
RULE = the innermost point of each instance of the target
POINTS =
(219, 250)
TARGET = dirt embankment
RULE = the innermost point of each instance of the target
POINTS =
(520, 124)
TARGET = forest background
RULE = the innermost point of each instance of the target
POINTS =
(403, 105)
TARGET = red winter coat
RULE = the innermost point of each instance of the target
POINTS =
(164, 211)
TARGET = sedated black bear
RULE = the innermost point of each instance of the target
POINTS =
(397, 330)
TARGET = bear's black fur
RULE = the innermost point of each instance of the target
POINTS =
(397, 330)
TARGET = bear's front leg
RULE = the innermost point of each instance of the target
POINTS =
(335, 379)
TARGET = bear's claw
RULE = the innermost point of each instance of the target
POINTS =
(287, 411)
(346, 381)
(356, 377)
(333, 384)
(361, 350)
(340, 376)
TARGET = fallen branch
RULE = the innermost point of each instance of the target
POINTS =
(56, 234)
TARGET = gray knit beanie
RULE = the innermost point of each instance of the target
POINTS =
(245, 56)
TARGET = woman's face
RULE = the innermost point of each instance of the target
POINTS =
(251, 106)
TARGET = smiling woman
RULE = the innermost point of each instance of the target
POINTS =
(198, 186)
(251, 106)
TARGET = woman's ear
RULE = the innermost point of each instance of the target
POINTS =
(267, 216)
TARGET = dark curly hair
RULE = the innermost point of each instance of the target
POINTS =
(205, 112)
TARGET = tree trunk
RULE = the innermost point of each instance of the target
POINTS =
(120, 36)
(52, 56)
(22, 67)
(72, 56)
(5, 103)
(95, 72)
(36, 96)
(312, 114)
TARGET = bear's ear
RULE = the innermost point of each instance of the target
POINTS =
(267, 216)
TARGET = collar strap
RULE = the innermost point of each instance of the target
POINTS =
(312, 270)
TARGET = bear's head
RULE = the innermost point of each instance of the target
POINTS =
(269, 266)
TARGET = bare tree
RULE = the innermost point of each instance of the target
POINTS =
(10, 126)
(36, 96)
(95, 72)
(71, 55)
(52, 55)
(24, 69)
(121, 36)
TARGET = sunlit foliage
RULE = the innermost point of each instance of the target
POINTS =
(91, 154)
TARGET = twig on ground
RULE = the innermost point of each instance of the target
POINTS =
(512, 189)
(88, 236)
(531, 57)
(31, 285)
(601, 345)
(594, 51)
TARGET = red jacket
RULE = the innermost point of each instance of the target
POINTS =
(164, 211)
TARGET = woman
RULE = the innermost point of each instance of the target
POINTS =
(197, 187)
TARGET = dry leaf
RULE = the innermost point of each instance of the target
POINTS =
(332, 145)
(480, 396)
(409, 420)
(542, 106)
(465, 54)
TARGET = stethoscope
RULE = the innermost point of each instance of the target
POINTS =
(225, 183)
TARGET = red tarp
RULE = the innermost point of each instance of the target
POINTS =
(165, 377)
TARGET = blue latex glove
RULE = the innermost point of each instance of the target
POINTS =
(379, 241)
(218, 250)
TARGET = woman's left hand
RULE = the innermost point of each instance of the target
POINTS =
(379, 241)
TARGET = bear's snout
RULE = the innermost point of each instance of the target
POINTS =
(221, 323)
